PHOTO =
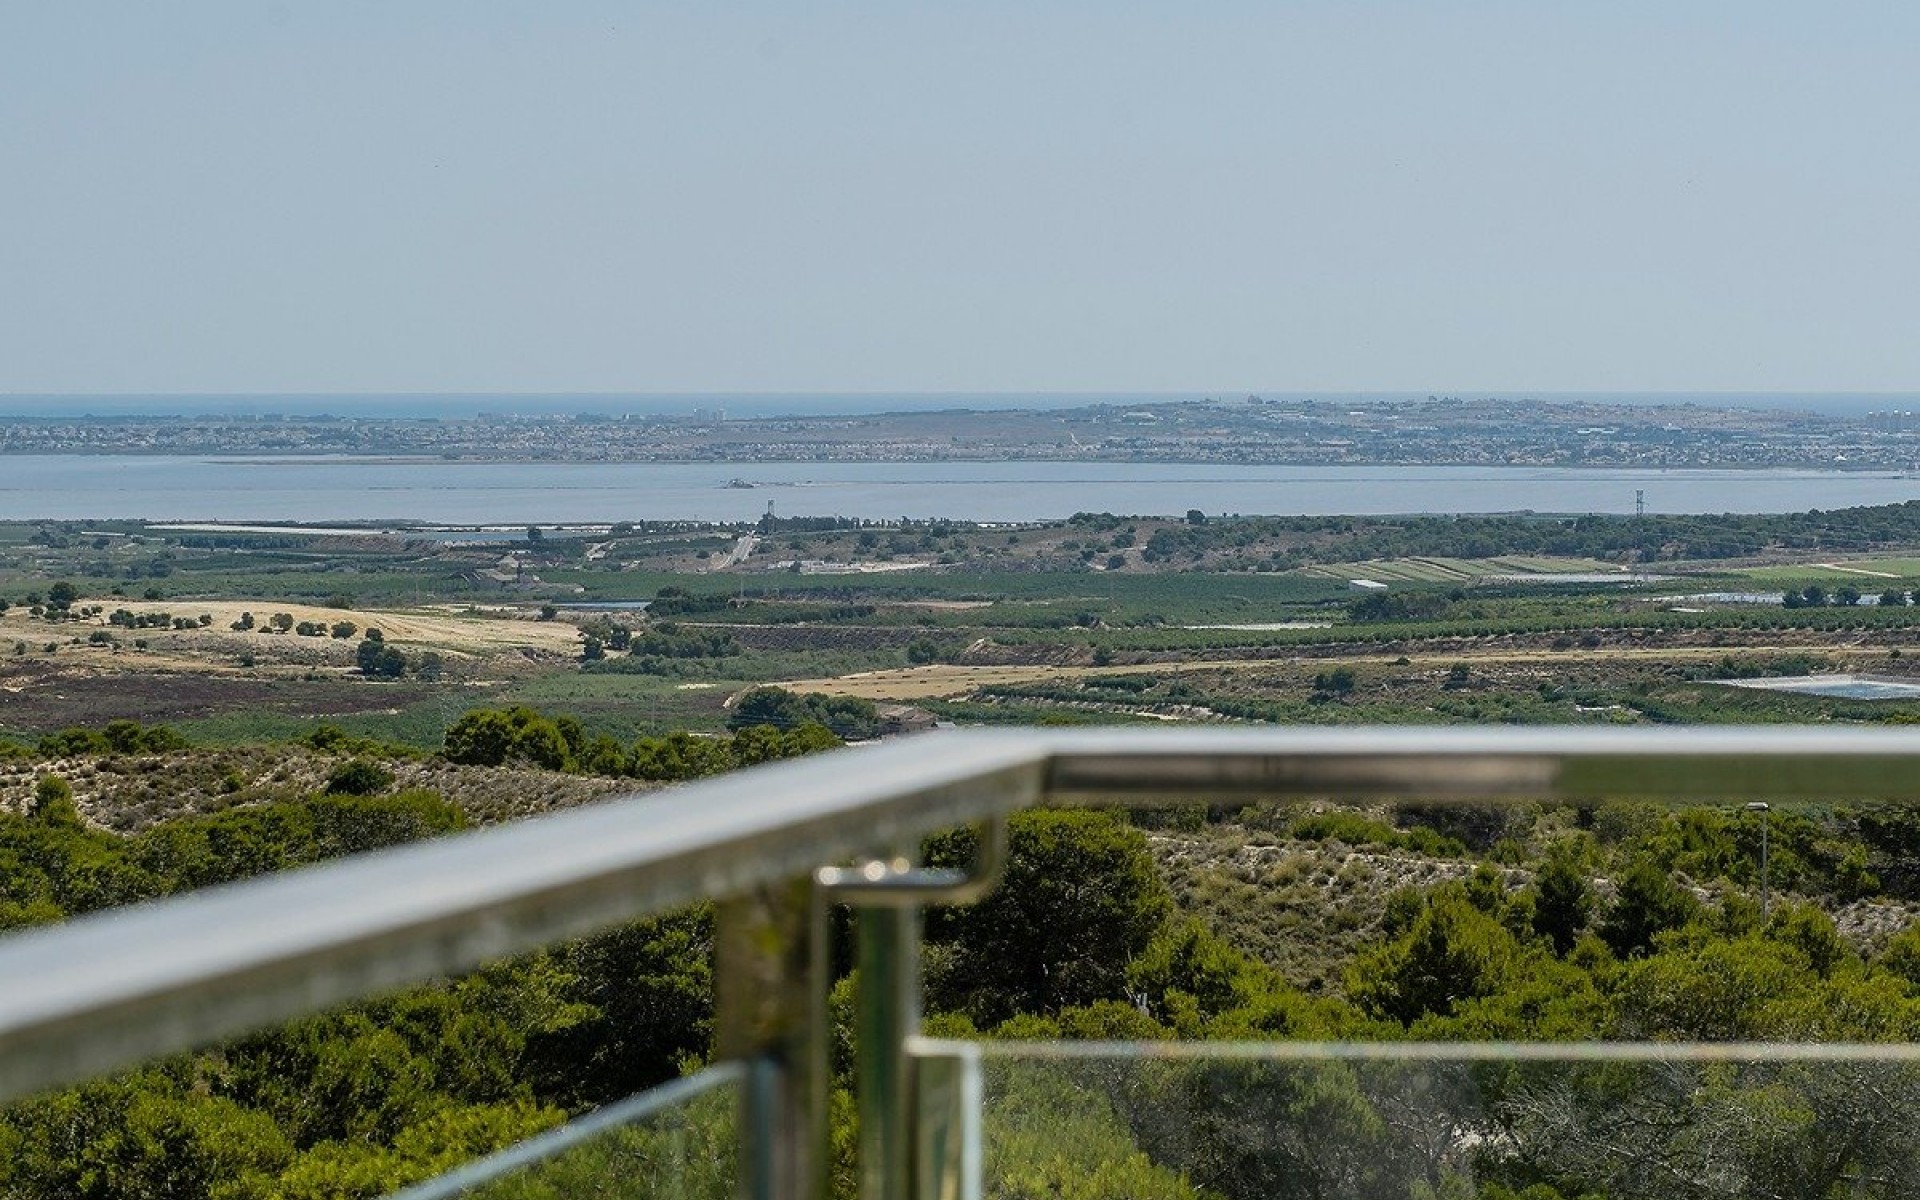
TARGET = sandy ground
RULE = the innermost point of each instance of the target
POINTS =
(939, 682)
(942, 682)
(434, 629)
(1857, 571)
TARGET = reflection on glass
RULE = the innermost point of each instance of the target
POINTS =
(676, 1142)
(1187, 1127)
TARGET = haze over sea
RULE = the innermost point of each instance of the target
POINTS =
(769, 404)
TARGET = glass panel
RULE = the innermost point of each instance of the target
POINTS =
(676, 1142)
(1453, 1123)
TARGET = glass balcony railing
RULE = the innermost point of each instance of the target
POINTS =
(676, 1142)
(1399, 1121)
(774, 846)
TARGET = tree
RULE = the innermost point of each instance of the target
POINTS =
(1893, 598)
(490, 737)
(1080, 901)
(766, 706)
(1562, 902)
(282, 622)
(1398, 606)
(377, 660)
(53, 803)
(1650, 902)
(1453, 953)
(850, 718)
(62, 595)
(643, 995)
(1337, 682)
(359, 777)
(129, 737)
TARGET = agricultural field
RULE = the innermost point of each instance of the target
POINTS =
(1463, 570)
(238, 634)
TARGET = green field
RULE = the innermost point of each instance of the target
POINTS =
(1441, 569)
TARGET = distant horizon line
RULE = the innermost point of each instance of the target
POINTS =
(935, 393)
(759, 405)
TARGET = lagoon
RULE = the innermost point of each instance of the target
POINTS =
(1844, 687)
(319, 488)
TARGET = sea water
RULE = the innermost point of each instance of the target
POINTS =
(322, 488)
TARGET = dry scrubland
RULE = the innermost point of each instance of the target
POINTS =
(128, 793)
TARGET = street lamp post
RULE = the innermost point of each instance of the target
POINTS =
(1766, 897)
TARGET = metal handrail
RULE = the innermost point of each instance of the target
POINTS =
(112, 989)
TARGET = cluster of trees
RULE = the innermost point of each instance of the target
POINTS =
(57, 605)
(646, 649)
(377, 660)
(1845, 596)
(126, 618)
(1586, 623)
(1485, 958)
(116, 737)
(354, 1103)
(493, 737)
(285, 623)
(849, 718)
(673, 601)
(360, 1102)
(1643, 538)
(1417, 605)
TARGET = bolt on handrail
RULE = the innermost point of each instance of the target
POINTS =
(111, 989)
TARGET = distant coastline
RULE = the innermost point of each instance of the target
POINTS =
(1249, 431)
(444, 405)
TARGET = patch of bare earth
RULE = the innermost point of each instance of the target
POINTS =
(44, 695)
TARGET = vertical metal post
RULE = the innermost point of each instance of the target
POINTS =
(887, 1013)
(770, 1011)
(888, 894)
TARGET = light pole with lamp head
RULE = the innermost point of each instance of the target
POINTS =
(1766, 898)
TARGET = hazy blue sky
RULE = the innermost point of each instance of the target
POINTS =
(962, 196)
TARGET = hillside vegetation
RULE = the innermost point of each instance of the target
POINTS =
(167, 742)
(1302, 922)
